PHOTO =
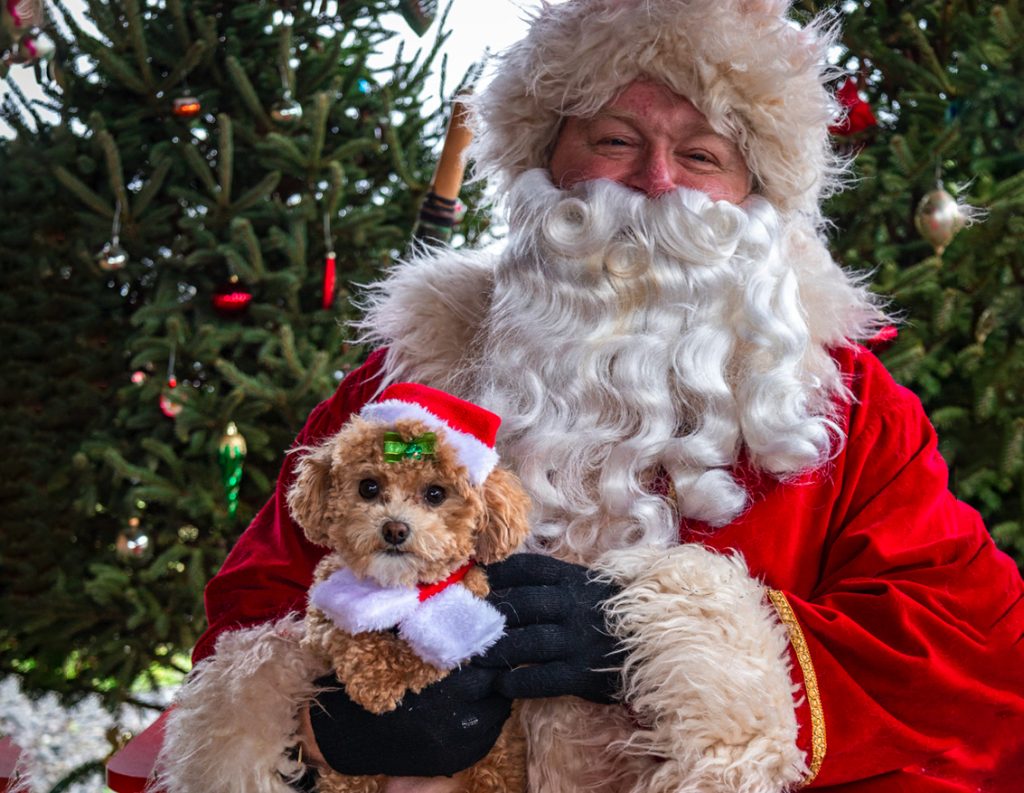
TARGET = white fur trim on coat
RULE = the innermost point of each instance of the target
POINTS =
(237, 714)
(707, 672)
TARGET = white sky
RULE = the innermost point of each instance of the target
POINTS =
(475, 25)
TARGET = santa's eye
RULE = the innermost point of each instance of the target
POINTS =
(434, 495)
(369, 489)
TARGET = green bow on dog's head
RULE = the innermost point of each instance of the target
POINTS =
(396, 449)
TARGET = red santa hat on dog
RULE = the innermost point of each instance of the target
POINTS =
(469, 428)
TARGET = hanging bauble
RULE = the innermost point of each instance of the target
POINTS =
(938, 218)
(172, 399)
(418, 13)
(26, 13)
(39, 45)
(139, 376)
(231, 298)
(330, 278)
(186, 107)
(112, 256)
(133, 542)
(231, 455)
(287, 110)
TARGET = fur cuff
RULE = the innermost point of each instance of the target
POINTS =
(707, 672)
(237, 714)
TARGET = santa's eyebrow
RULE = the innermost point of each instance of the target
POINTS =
(699, 128)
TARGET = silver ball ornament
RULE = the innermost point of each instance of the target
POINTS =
(112, 256)
(286, 111)
(938, 218)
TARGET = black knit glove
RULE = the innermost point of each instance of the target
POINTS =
(444, 729)
(557, 642)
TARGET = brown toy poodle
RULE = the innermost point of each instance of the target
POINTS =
(405, 510)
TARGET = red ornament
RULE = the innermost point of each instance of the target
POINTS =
(329, 279)
(232, 298)
(172, 401)
(859, 115)
(186, 107)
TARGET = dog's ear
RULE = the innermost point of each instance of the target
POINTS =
(505, 523)
(307, 496)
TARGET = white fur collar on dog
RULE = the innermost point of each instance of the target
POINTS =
(444, 630)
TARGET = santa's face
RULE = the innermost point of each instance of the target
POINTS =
(654, 141)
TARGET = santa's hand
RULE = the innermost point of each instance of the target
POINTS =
(557, 642)
(444, 729)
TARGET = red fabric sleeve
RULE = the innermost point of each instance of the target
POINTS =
(269, 569)
(914, 627)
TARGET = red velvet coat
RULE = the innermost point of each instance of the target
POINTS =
(905, 622)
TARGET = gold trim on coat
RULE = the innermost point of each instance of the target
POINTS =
(803, 657)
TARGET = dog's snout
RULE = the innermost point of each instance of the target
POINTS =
(395, 532)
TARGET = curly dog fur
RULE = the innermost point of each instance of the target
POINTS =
(330, 500)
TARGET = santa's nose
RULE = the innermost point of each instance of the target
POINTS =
(395, 532)
(654, 175)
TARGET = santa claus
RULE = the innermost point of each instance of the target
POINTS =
(746, 572)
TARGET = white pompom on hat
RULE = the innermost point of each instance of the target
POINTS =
(469, 428)
(758, 77)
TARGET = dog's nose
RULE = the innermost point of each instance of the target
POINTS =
(395, 532)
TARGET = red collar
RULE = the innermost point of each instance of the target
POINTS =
(429, 590)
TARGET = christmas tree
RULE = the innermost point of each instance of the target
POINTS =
(944, 82)
(179, 250)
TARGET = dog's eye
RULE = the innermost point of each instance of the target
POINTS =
(434, 494)
(369, 489)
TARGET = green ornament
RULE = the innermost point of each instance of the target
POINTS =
(231, 455)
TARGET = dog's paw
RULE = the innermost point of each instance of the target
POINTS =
(371, 694)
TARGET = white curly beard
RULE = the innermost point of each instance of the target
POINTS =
(630, 337)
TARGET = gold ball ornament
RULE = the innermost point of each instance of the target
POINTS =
(938, 218)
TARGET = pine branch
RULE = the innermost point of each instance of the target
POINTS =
(242, 233)
(129, 471)
(396, 151)
(138, 40)
(290, 353)
(247, 93)
(283, 148)
(115, 171)
(314, 371)
(180, 25)
(114, 65)
(251, 385)
(193, 56)
(84, 193)
(318, 127)
(151, 187)
(256, 194)
(353, 148)
(335, 191)
(200, 167)
(225, 159)
(924, 47)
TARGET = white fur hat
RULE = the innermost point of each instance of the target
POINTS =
(757, 77)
